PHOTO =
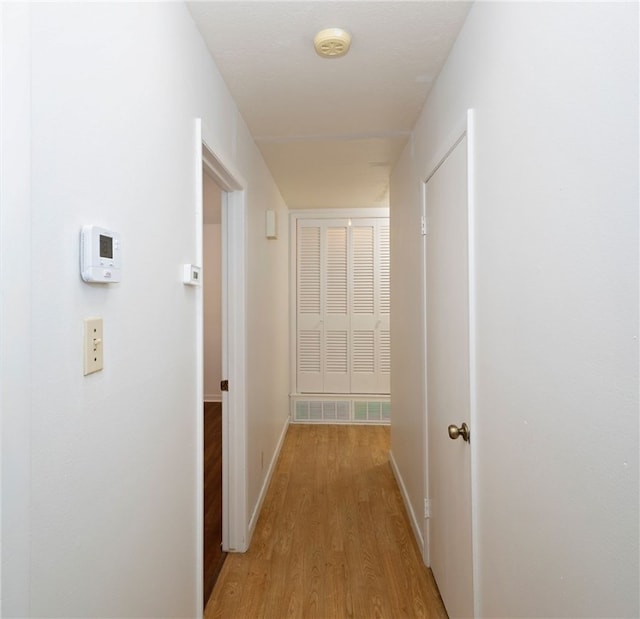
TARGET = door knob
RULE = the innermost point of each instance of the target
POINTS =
(463, 431)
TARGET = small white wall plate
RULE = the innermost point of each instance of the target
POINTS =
(192, 275)
(271, 225)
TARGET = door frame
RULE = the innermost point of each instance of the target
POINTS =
(464, 127)
(234, 484)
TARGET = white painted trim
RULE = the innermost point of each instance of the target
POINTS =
(426, 556)
(338, 213)
(227, 178)
(452, 140)
(465, 127)
(356, 397)
(199, 377)
(267, 480)
(293, 294)
(212, 397)
(415, 523)
(473, 367)
(224, 368)
(234, 478)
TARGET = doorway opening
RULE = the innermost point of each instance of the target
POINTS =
(231, 342)
(213, 552)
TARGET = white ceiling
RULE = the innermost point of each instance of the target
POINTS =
(330, 130)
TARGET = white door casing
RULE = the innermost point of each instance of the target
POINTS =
(450, 351)
(234, 483)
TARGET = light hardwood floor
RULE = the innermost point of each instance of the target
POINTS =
(333, 538)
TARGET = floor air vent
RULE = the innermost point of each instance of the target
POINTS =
(372, 411)
(322, 410)
(341, 411)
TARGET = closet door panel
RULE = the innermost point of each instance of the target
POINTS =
(309, 327)
(363, 305)
(336, 309)
(383, 304)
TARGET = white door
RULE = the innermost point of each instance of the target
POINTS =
(370, 304)
(322, 315)
(448, 391)
(342, 306)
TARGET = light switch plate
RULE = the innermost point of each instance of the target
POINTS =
(93, 345)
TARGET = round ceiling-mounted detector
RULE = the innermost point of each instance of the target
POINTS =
(332, 42)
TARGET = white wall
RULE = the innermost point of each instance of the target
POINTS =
(99, 482)
(555, 87)
(268, 347)
(15, 304)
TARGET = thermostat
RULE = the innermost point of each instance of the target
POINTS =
(100, 259)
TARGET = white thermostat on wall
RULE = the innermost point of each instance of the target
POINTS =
(100, 258)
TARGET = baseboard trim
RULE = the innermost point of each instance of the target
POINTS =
(415, 523)
(265, 484)
(213, 397)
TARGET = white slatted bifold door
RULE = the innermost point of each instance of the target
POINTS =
(309, 302)
(370, 306)
(336, 311)
(343, 306)
(384, 306)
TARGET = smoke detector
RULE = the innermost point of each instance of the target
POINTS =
(332, 42)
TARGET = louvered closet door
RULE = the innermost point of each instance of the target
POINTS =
(309, 314)
(323, 313)
(343, 306)
(336, 310)
(370, 306)
(383, 330)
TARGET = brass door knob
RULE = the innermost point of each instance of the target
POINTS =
(463, 431)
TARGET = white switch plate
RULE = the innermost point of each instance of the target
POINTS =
(192, 275)
(93, 345)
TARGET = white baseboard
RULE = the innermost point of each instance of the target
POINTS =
(265, 485)
(213, 397)
(415, 523)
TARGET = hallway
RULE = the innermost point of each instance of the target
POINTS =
(333, 538)
(106, 108)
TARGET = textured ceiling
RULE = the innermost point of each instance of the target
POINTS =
(330, 130)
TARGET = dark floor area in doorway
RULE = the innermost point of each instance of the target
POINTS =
(213, 555)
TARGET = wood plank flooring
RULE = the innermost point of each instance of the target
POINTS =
(213, 557)
(333, 539)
